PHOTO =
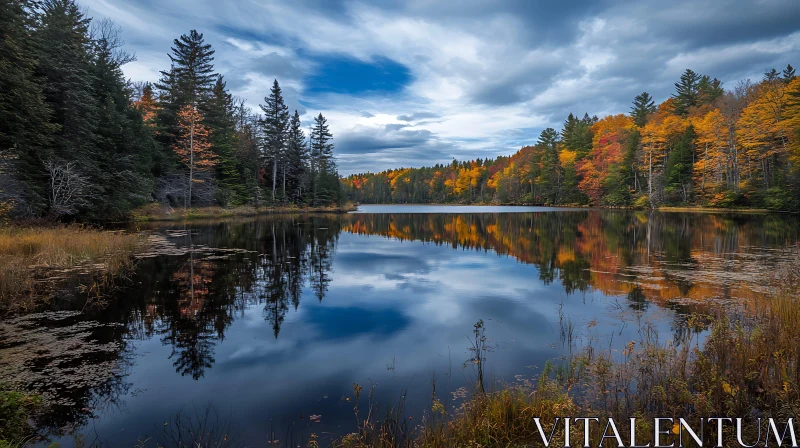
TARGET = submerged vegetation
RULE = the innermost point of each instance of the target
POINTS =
(34, 259)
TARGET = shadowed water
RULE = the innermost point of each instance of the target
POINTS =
(271, 320)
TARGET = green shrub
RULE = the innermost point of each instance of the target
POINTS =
(16, 408)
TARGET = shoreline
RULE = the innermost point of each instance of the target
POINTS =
(688, 209)
(161, 214)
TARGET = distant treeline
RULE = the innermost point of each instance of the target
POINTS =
(703, 146)
(78, 140)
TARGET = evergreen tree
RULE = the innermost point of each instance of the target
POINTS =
(124, 145)
(577, 135)
(551, 168)
(788, 73)
(189, 81)
(622, 179)
(771, 75)
(24, 115)
(192, 75)
(296, 159)
(686, 92)
(679, 167)
(325, 184)
(275, 126)
(643, 106)
(709, 90)
(220, 121)
(66, 65)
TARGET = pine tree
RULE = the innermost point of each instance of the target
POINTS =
(551, 169)
(275, 126)
(323, 167)
(680, 166)
(686, 92)
(220, 121)
(124, 145)
(189, 81)
(66, 64)
(643, 106)
(771, 75)
(296, 159)
(192, 75)
(24, 115)
(788, 73)
(709, 90)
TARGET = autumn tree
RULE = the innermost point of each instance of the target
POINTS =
(193, 147)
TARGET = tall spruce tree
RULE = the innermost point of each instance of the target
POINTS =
(709, 90)
(124, 145)
(679, 168)
(788, 73)
(221, 122)
(296, 159)
(686, 92)
(643, 106)
(275, 126)
(325, 184)
(66, 65)
(189, 81)
(25, 128)
(551, 168)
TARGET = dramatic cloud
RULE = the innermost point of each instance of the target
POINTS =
(415, 83)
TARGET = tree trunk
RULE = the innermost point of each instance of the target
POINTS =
(274, 174)
(650, 175)
(188, 200)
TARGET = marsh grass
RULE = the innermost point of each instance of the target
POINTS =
(34, 259)
(739, 363)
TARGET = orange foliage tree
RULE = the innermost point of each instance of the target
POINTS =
(193, 147)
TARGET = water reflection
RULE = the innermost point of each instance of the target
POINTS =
(378, 289)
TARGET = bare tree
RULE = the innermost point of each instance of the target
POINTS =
(68, 189)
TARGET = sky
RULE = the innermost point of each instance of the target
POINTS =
(420, 82)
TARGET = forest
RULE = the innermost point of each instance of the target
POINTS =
(80, 141)
(703, 146)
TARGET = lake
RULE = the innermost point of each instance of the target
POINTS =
(265, 324)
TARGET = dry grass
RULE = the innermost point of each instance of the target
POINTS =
(31, 258)
(157, 212)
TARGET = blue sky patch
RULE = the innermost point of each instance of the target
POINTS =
(349, 76)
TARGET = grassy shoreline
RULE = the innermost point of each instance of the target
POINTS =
(35, 259)
(156, 212)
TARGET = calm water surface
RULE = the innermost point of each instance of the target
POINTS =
(269, 321)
